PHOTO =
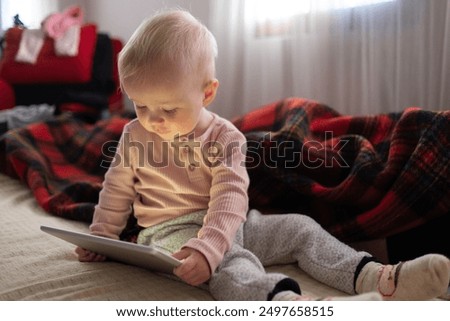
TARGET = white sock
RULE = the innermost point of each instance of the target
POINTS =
(292, 296)
(424, 278)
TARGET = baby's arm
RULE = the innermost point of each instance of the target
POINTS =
(227, 207)
(114, 205)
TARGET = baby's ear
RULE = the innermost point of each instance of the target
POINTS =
(210, 92)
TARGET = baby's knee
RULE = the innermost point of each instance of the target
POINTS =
(291, 223)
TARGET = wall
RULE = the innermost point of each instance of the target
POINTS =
(120, 18)
(31, 12)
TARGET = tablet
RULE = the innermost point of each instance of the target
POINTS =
(144, 256)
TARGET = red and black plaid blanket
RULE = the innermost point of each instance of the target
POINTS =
(360, 177)
(62, 161)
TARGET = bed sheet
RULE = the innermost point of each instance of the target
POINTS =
(37, 266)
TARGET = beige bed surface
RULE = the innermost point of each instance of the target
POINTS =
(37, 266)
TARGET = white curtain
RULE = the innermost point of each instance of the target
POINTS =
(355, 57)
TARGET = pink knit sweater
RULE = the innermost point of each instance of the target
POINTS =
(162, 180)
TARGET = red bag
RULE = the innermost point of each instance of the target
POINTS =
(49, 67)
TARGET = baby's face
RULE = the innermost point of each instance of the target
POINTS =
(168, 110)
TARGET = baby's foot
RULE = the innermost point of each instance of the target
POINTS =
(424, 278)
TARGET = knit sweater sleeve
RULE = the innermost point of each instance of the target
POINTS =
(228, 204)
(117, 195)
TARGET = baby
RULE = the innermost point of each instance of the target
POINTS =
(180, 170)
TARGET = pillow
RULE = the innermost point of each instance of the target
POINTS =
(49, 67)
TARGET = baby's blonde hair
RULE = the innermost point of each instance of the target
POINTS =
(167, 46)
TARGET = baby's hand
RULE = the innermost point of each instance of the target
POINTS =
(88, 256)
(194, 269)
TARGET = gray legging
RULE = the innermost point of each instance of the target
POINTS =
(261, 241)
(280, 239)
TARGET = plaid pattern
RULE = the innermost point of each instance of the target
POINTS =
(61, 162)
(360, 177)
